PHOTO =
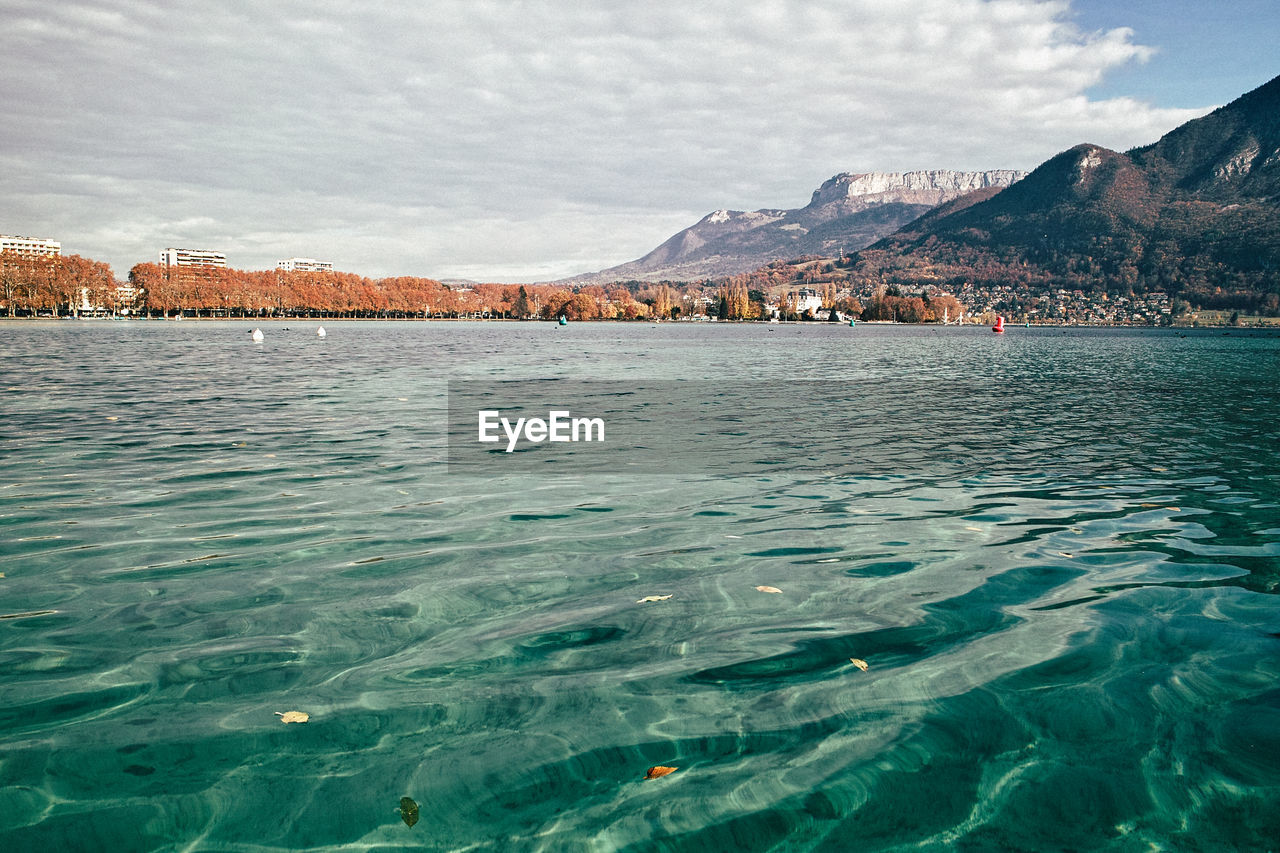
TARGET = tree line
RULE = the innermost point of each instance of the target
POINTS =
(70, 285)
(222, 292)
(53, 284)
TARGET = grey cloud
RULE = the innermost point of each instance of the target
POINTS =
(552, 137)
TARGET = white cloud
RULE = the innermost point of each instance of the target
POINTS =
(526, 139)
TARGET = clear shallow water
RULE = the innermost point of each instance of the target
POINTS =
(1068, 611)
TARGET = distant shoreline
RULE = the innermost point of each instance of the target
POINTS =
(1245, 324)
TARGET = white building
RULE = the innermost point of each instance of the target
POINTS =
(126, 299)
(126, 296)
(30, 247)
(806, 299)
(304, 265)
(192, 258)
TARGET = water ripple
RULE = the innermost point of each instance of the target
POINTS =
(1065, 599)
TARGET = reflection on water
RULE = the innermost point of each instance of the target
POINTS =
(1061, 582)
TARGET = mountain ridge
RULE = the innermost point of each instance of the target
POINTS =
(846, 212)
(1195, 214)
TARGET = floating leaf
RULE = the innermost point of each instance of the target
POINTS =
(1065, 554)
(408, 811)
(659, 771)
(770, 589)
(974, 529)
(645, 600)
(293, 716)
(860, 664)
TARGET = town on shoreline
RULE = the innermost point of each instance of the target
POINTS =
(37, 281)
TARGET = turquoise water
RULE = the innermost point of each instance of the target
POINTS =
(1061, 577)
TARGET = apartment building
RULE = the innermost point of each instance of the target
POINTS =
(30, 247)
(304, 265)
(192, 258)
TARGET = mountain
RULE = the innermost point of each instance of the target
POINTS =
(1196, 214)
(847, 212)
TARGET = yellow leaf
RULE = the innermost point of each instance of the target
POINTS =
(1064, 554)
(293, 716)
(659, 771)
(771, 589)
(974, 529)
(860, 664)
(649, 598)
(408, 811)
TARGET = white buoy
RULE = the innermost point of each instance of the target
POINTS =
(320, 332)
(256, 334)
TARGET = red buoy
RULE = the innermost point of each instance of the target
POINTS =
(999, 326)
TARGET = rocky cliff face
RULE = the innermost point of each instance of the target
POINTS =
(846, 213)
(933, 187)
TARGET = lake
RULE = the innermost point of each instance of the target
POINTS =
(1055, 551)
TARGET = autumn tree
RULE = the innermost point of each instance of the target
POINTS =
(79, 280)
(662, 303)
(37, 286)
(945, 308)
(14, 270)
(151, 281)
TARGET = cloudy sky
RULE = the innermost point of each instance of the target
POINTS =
(502, 140)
